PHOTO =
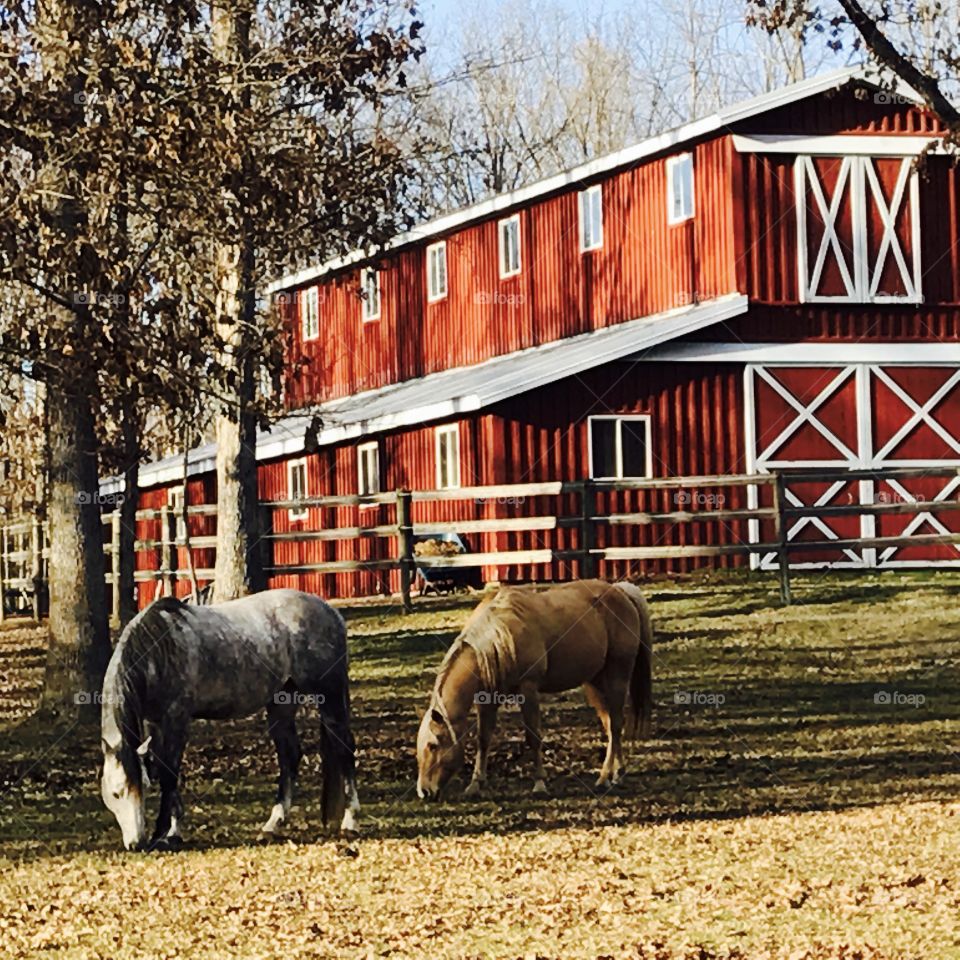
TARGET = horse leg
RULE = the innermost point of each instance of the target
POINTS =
(597, 700)
(486, 723)
(530, 710)
(166, 831)
(281, 719)
(608, 697)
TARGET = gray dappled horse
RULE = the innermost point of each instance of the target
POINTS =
(176, 662)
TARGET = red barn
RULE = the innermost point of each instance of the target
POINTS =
(770, 288)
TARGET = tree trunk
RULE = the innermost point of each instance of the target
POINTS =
(128, 516)
(79, 617)
(239, 569)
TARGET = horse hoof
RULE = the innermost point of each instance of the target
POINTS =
(167, 845)
(539, 787)
(474, 789)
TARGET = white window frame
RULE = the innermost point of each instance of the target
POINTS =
(644, 418)
(502, 227)
(686, 212)
(362, 450)
(436, 252)
(585, 206)
(310, 313)
(175, 498)
(368, 300)
(297, 513)
(450, 429)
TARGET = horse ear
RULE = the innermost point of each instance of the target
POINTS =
(436, 716)
(144, 747)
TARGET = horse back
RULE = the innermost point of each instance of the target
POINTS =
(565, 634)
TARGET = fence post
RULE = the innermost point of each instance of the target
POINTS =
(266, 541)
(36, 568)
(115, 567)
(3, 572)
(588, 530)
(405, 546)
(780, 530)
(168, 536)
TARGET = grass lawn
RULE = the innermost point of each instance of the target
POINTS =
(800, 799)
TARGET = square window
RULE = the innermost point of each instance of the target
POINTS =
(448, 457)
(437, 271)
(680, 188)
(370, 292)
(310, 313)
(297, 488)
(368, 468)
(620, 448)
(509, 233)
(591, 219)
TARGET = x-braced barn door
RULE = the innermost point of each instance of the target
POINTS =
(858, 229)
(857, 417)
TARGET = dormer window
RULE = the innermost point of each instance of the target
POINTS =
(437, 271)
(310, 313)
(370, 291)
(680, 188)
(509, 234)
(591, 219)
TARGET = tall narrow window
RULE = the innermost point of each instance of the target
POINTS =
(310, 312)
(175, 497)
(368, 468)
(437, 271)
(509, 233)
(591, 218)
(620, 447)
(370, 283)
(448, 457)
(680, 188)
(297, 488)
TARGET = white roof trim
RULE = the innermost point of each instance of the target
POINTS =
(816, 354)
(621, 158)
(460, 390)
(888, 145)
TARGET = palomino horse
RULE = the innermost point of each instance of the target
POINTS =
(523, 643)
(175, 662)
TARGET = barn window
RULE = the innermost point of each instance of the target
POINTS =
(175, 503)
(448, 457)
(680, 188)
(858, 229)
(297, 488)
(509, 232)
(437, 271)
(370, 284)
(620, 447)
(591, 218)
(310, 312)
(368, 468)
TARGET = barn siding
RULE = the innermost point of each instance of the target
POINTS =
(645, 266)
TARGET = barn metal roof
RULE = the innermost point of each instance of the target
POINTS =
(714, 123)
(460, 390)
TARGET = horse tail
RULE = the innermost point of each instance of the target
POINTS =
(338, 751)
(641, 681)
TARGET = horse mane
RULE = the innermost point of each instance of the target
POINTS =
(146, 640)
(488, 633)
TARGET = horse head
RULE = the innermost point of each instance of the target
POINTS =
(439, 750)
(123, 786)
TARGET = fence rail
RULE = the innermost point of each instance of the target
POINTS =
(768, 516)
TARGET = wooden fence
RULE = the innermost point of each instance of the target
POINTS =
(769, 512)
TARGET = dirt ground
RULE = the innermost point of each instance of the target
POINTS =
(800, 799)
